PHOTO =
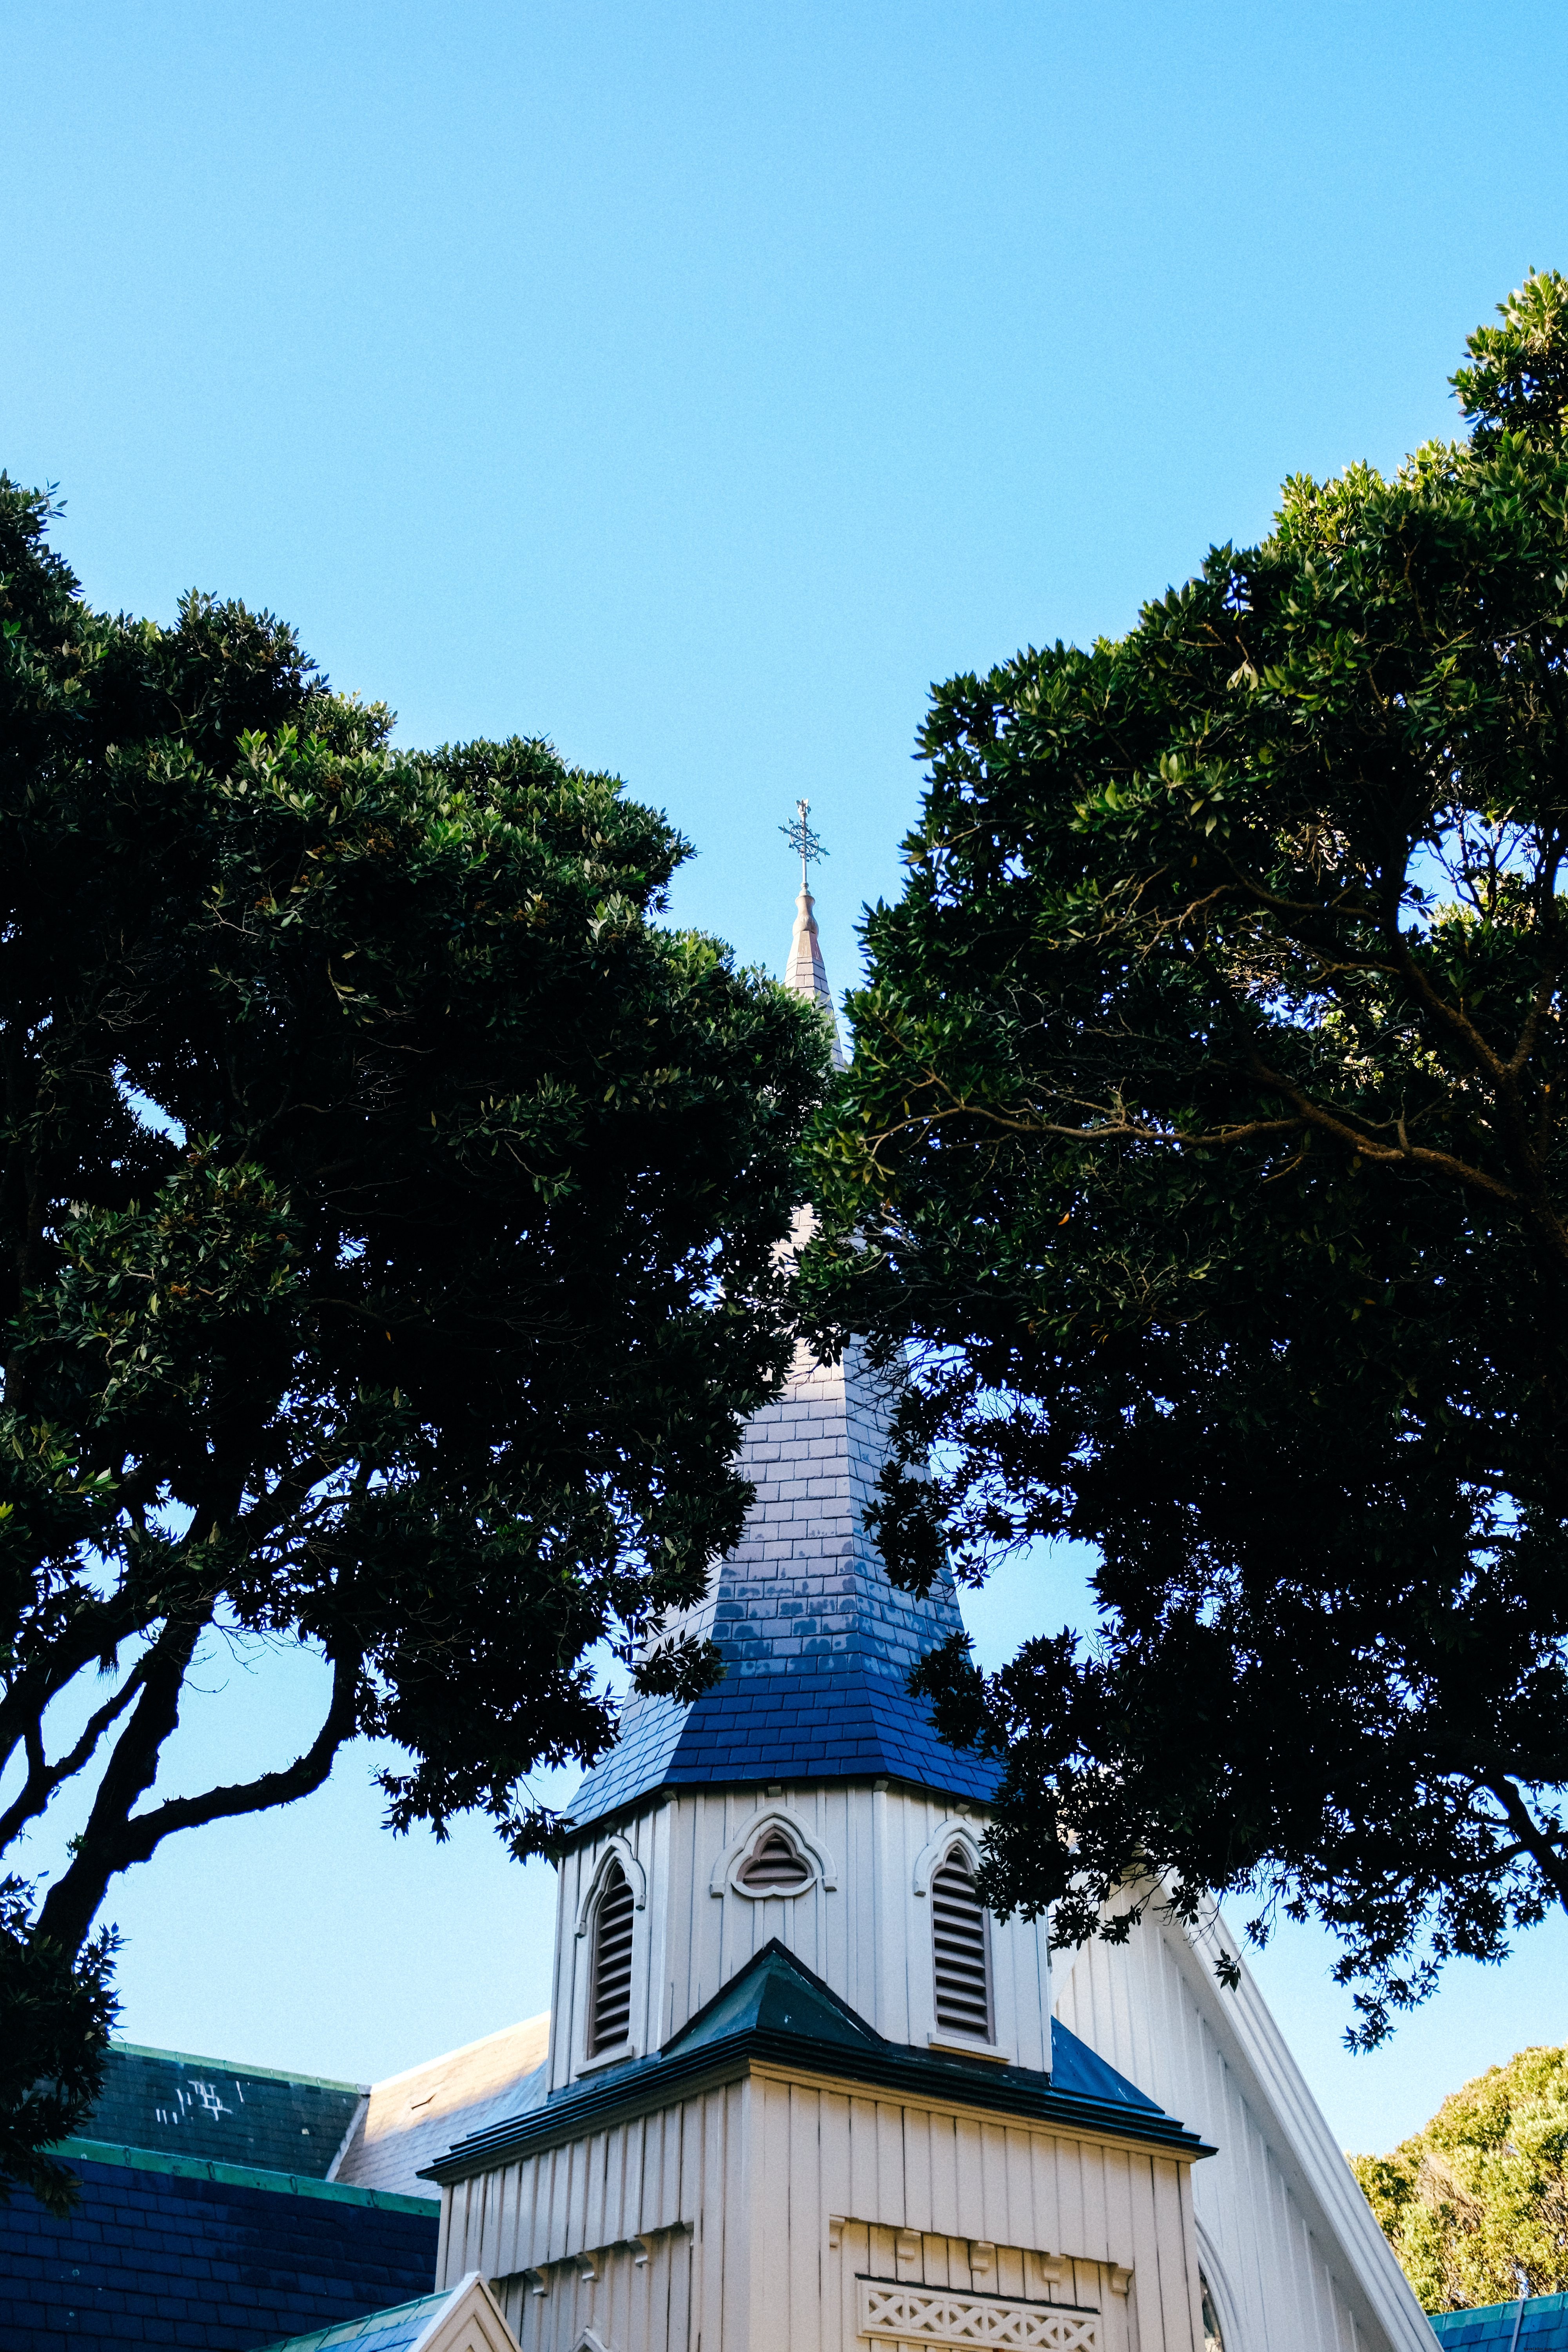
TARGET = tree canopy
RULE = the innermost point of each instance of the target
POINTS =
(1205, 1142)
(1476, 2205)
(389, 1217)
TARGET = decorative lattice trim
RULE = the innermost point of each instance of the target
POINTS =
(923, 2314)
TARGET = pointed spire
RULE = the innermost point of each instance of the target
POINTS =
(806, 973)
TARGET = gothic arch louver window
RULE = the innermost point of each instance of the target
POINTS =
(960, 1950)
(610, 1992)
(776, 1866)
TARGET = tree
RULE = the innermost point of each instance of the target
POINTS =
(1205, 1142)
(1476, 2205)
(390, 1212)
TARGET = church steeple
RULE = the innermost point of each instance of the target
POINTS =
(805, 972)
(816, 1641)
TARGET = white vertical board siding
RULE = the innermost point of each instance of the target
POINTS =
(1300, 2264)
(869, 1935)
(626, 2302)
(733, 2200)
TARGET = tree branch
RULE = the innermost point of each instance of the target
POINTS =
(43, 1779)
(1552, 1864)
(116, 1841)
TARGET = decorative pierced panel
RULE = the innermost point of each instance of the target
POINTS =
(774, 1866)
(959, 1948)
(610, 2000)
(926, 2314)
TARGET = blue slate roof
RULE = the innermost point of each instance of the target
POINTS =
(826, 1720)
(170, 2252)
(1542, 2325)
(394, 2330)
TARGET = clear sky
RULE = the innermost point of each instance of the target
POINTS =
(693, 385)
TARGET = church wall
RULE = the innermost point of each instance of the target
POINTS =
(868, 1934)
(1276, 2215)
(745, 2216)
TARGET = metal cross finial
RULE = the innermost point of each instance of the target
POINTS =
(803, 842)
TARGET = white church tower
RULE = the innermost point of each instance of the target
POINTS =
(804, 2095)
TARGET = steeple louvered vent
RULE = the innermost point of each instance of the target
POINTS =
(610, 2006)
(960, 1949)
(776, 1867)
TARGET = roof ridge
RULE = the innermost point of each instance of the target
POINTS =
(774, 1949)
(237, 2066)
(443, 2057)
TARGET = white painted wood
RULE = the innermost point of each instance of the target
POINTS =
(615, 1848)
(736, 2213)
(1298, 2263)
(861, 1925)
(472, 2321)
(722, 1879)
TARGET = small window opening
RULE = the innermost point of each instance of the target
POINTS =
(962, 1956)
(776, 1864)
(610, 2005)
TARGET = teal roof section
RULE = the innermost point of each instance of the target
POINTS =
(211, 2108)
(239, 2176)
(774, 1994)
(1538, 2323)
(250, 2073)
(396, 2329)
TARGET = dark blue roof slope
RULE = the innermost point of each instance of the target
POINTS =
(1542, 2326)
(826, 1720)
(775, 2010)
(1074, 2067)
(212, 2109)
(166, 2252)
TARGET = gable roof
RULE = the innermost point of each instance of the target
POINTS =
(411, 2119)
(776, 1993)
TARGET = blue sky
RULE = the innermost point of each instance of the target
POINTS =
(694, 385)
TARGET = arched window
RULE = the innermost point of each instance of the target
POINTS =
(776, 1866)
(610, 1995)
(962, 1958)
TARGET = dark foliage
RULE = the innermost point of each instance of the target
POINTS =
(388, 1219)
(1206, 1129)
(58, 2008)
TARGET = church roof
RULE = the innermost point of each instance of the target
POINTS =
(826, 1718)
(776, 1993)
(409, 2119)
(216, 2111)
(461, 2318)
(396, 2329)
(816, 1641)
(1538, 2324)
(775, 2009)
